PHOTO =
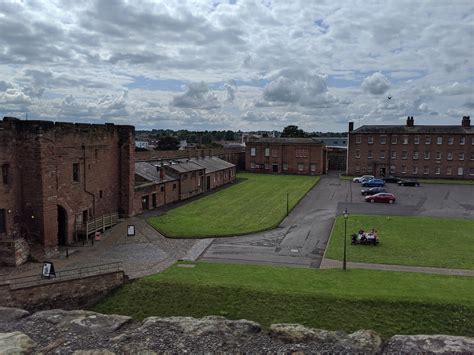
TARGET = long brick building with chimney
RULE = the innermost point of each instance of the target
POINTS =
(415, 151)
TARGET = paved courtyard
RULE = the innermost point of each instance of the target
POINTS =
(301, 238)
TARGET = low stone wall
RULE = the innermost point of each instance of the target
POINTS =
(84, 332)
(13, 252)
(67, 294)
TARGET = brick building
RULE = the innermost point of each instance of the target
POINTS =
(304, 156)
(57, 176)
(412, 150)
(159, 183)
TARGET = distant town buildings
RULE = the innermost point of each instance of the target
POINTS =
(412, 150)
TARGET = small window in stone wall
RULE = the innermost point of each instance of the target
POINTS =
(174, 186)
(162, 188)
(285, 166)
(6, 174)
(300, 167)
(3, 224)
(75, 172)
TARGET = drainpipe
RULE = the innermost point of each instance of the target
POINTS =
(85, 187)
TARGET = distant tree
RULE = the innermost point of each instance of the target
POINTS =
(229, 136)
(168, 143)
(293, 131)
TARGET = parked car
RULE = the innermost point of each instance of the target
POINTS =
(358, 179)
(381, 197)
(373, 183)
(373, 191)
(408, 183)
(391, 179)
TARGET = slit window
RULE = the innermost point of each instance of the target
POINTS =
(6, 174)
(3, 224)
(75, 172)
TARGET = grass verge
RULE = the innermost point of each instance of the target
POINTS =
(256, 203)
(388, 302)
(416, 241)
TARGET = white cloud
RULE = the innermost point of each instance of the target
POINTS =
(376, 84)
(293, 60)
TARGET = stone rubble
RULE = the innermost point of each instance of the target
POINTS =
(89, 333)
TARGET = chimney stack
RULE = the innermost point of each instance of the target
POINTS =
(410, 121)
(351, 126)
(466, 121)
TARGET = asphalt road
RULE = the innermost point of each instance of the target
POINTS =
(301, 238)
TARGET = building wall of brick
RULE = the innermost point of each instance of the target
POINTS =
(401, 156)
(166, 193)
(286, 158)
(191, 184)
(219, 178)
(42, 154)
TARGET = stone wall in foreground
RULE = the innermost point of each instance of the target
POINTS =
(67, 294)
(66, 332)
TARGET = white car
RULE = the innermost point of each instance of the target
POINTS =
(358, 179)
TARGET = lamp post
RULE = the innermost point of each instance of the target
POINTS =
(346, 216)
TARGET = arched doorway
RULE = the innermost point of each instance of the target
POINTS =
(62, 226)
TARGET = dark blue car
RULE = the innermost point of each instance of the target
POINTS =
(374, 183)
(373, 190)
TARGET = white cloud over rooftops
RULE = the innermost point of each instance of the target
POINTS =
(237, 64)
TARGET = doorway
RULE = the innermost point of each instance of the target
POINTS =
(62, 226)
(275, 168)
(382, 172)
(208, 186)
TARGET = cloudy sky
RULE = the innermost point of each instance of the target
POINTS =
(237, 64)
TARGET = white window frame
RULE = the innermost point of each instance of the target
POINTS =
(437, 170)
(416, 140)
(427, 155)
(460, 171)
(426, 170)
(439, 140)
(253, 151)
(267, 152)
(369, 154)
(405, 140)
(449, 171)
(300, 167)
(358, 139)
(416, 155)
(394, 155)
(461, 155)
(383, 139)
(357, 154)
(462, 140)
(427, 139)
(415, 170)
(404, 155)
(370, 140)
(449, 156)
(382, 154)
(404, 169)
(450, 140)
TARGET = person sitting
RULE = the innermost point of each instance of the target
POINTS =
(363, 239)
(354, 238)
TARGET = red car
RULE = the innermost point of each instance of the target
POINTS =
(381, 197)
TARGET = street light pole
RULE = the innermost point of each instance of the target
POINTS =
(344, 260)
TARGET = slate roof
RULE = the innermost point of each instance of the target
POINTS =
(417, 129)
(150, 172)
(184, 165)
(286, 140)
(212, 164)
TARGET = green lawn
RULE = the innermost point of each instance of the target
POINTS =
(256, 203)
(419, 241)
(388, 302)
